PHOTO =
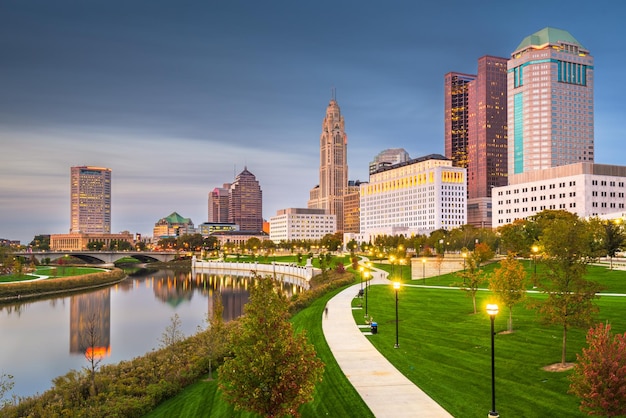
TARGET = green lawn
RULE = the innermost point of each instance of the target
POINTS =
(446, 350)
(52, 272)
(334, 396)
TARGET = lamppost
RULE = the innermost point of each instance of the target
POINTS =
(402, 261)
(392, 259)
(396, 286)
(361, 270)
(366, 286)
(424, 269)
(492, 310)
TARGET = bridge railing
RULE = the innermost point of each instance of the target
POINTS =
(306, 273)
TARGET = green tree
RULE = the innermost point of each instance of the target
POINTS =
(508, 283)
(41, 242)
(567, 249)
(95, 245)
(614, 239)
(472, 277)
(273, 371)
(519, 236)
(599, 377)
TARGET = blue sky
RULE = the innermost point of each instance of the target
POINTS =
(177, 97)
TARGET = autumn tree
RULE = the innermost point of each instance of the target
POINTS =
(599, 377)
(217, 335)
(173, 332)
(472, 277)
(614, 239)
(508, 283)
(272, 371)
(566, 242)
(482, 253)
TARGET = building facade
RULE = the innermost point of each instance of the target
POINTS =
(388, 157)
(475, 128)
(550, 102)
(352, 208)
(209, 228)
(90, 200)
(218, 204)
(301, 224)
(79, 241)
(586, 189)
(333, 182)
(245, 203)
(172, 226)
(416, 197)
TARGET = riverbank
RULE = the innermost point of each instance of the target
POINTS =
(31, 290)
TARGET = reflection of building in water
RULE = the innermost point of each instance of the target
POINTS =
(90, 323)
(174, 289)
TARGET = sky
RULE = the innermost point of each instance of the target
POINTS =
(177, 97)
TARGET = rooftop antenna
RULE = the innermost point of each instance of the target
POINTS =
(333, 93)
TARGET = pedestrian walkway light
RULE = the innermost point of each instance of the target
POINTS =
(396, 286)
(424, 270)
(492, 310)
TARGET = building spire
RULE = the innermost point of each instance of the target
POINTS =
(333, 94)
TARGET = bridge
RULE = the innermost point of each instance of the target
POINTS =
(102, 257)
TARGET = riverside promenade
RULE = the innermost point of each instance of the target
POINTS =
(386, 391)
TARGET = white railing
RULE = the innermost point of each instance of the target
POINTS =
(279, 270)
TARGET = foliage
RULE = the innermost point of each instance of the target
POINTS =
(599, 377)
(472, 277)
(173, 332)
(482, 253)
(272, 371)
(614, 239)
(566, 242)
(6, 385)
(90, 343)
(508, 283)
(40, 242)
(95, 245)
(332, 242)
(518, 237)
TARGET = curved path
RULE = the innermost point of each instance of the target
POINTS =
(386, 391)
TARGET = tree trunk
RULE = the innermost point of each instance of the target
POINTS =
(564, 345)
(510, 319)
(474, 301)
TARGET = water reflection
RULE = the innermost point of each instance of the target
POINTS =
(116, 323)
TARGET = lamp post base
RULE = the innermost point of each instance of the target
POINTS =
(493, 414)
(396, 346)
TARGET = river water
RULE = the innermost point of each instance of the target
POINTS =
(45, 339)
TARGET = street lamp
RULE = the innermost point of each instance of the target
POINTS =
(396, 286)
(492, 310)
(361, 270)
(366, 286)
(424, 270)
(392, 259)
(402, 261)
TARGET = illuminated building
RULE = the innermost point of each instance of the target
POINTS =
(245, 203)
(301, 224)
(550, 102)
(90, 200)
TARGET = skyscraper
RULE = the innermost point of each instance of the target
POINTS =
(245, 203)
(90, 195)
(476, 132)
(550, 102)
(333, 183)
(218, 204)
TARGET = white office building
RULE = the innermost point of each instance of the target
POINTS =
(414, 197)
(585, 189)
(301, 224)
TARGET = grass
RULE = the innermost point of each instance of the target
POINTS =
(63, 271)
(445, 349)
(334, 396)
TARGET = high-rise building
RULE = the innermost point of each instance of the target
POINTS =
(476, 132)
(245, 203)
(218, 204)
(333, 182)
(550, 102)
(456, 117)
(388, 157)
(90, 200)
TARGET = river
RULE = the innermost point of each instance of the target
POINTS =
(45, 339)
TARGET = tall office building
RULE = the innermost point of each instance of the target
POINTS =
(456, 117)
(90, 195)
(245, 203)
(387, 158)
(218, 204)
(476, 132)
(550, 102)
(333, 182)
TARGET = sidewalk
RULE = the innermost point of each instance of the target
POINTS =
(383, 388)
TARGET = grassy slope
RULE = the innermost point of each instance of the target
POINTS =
(334, 396)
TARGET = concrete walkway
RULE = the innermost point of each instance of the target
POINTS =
(383, 388)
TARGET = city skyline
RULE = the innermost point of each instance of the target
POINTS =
(179, 98)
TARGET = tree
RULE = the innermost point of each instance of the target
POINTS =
(272, 371)
(217, 337)
(472, 277)
(518, 237)
(599, 377)
(6, 385)
(508, 283)
(567, 249)
(173, 332)
(482, 253)
(614, 239)
(95, 245)
(41, 242)
(92, 345)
